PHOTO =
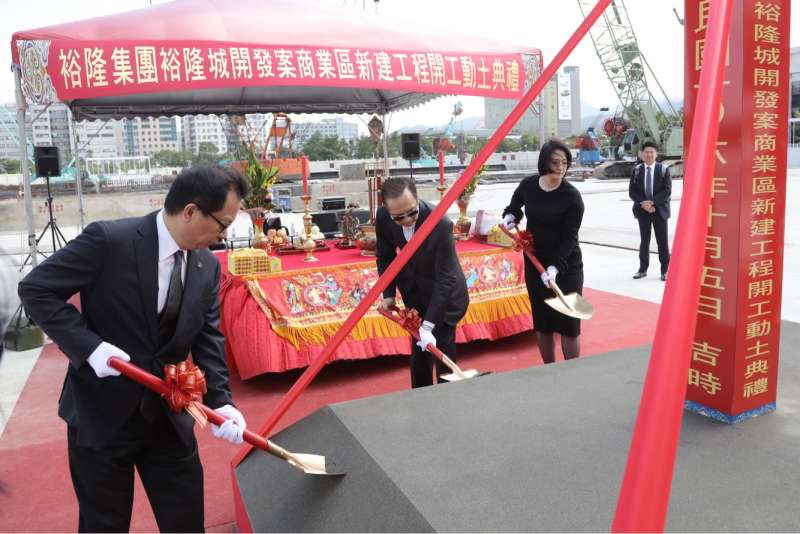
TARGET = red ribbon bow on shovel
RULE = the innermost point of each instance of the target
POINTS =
(186, 385)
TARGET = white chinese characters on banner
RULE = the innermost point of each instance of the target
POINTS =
(131, 66)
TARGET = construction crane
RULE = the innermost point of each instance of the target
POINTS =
(640, 116)
(276, 151)
(442, 140)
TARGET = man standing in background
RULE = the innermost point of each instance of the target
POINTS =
(650, 189)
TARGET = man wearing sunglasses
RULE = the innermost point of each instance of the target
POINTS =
(432, 281)
(149, 291)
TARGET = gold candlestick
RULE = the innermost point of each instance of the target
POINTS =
(442, 188)
(308, 243)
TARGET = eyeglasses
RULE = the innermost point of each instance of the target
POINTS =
(222, 226)
(409, 213)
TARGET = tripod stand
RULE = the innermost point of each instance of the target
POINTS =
(56, 236)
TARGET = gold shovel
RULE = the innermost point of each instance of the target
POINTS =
(572, 305)
(311, 464)
(409, 320)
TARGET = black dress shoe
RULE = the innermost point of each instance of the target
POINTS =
(663, 277)
(640, 274)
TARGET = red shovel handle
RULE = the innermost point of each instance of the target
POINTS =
(534, 259)
(392, 317)
(152, 382)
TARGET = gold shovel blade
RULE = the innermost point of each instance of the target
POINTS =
(311, 464)
(573, 305)
(468, 373)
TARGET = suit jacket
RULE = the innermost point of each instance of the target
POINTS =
(114, 267)
(662, 190)
(432, 282)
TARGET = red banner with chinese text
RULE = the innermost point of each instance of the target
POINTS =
(734, 365)
(100, 69)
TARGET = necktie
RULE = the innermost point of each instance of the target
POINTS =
(169, 315)
(151, 403)
(648, 184)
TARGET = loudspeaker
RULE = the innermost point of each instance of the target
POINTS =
(410, 143)
(46, 158)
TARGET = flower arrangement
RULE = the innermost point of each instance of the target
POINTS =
(260, 179)
(473, 184)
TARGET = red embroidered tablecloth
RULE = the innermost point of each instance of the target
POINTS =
(281, 321)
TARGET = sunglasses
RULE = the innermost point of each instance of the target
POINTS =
(409, 213)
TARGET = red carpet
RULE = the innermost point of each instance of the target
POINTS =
(35, 490)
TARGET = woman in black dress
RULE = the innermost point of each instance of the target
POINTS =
(554, 210)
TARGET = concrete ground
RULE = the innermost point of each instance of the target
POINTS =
(609, 236)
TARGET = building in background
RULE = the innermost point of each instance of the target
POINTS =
(569, 102)
(100, 139)
(336, 127)
(199, 129)
(145, 137)
(9, 148)
(562, 108)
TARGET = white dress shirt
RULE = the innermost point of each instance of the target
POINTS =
(167, 247)
(408, 232)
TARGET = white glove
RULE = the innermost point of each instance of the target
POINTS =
(509, 221)
(98, 360)
(387, 303)
(426, 337)
(232, 429)
(549, 275)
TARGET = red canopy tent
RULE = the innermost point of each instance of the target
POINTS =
(247, 56)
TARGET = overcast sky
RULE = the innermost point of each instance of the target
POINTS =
(544, 24)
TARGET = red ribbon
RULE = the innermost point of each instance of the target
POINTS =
(524, 241)
(409, 319)
(187, 385)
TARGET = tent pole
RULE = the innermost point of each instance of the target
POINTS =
(78, 177)
(385, 148)
(23, 165)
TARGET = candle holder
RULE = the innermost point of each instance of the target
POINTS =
(308, 243)
(441, 188)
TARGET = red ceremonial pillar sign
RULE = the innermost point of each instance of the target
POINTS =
(734, 367)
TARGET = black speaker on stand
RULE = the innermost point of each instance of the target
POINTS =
(47, 165)
(411, 150)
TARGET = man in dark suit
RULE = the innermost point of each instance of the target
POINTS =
(650, 189)
(432, 282)
(149, 291)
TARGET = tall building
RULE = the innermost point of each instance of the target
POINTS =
(336, 127)
(45, 126)
(562, 108)
(569, 102)
(145, 137)
(199, 129)
(9, 148)
(100, 139)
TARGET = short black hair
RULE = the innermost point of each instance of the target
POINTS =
(395, 187)
(546, 153)
(206, 186)
(649, 144)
